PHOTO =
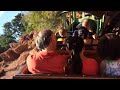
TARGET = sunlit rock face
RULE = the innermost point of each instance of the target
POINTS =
(15, 57)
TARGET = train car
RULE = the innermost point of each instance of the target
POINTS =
(25, 74)
(106, 21)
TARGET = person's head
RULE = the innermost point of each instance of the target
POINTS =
(67, 15)
(86, 24)
(90, 25)
(83, 32)
(46, 39)
(109, 47)
(63, 32)
(78, 14)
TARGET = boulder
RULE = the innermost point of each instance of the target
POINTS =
(13, 45)
(20, 49)
(11, 54)
(22, 59)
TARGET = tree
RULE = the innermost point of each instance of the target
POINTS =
(27, 25)
(7, 28)
(18, 28)
(4, 42)
(42, 19)
(12, 30)
(15, 27)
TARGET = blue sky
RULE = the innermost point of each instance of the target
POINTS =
(6, 16)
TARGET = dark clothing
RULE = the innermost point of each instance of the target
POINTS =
(72, 27)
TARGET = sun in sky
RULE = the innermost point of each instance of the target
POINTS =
(6, 16)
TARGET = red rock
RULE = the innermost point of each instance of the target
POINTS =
(11, 54)
(13, 45)
(5, 57)
(20, 49)
(23, 57)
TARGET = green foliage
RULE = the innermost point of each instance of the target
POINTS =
(15, 27)
(5, 40)
(39, 20)
(2, 49)
(7, 28)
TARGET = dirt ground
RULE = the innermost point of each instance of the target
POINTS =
(11, 68)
